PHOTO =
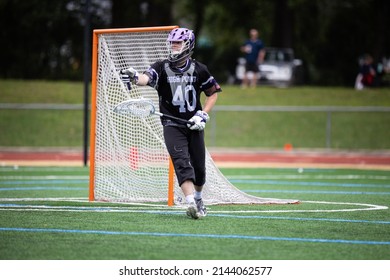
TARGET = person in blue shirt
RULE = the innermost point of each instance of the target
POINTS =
(367, 73)
(253, 48)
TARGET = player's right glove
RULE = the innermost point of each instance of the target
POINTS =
(129, 76)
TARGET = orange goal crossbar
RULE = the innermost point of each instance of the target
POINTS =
(95, 42)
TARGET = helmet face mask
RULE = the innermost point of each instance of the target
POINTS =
(180, 44)
(176, 47)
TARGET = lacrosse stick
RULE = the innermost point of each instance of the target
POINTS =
(143, 108)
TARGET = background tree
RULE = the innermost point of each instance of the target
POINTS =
(44, 39)
(139, 13)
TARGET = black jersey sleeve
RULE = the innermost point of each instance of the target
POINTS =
(154, 73)
(207, 80)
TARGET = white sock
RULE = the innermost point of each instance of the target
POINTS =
(198, 195)
(190, 198)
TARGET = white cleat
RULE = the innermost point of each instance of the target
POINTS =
(192, 211)
(201, 209)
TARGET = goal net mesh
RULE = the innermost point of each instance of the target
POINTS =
(131, 162)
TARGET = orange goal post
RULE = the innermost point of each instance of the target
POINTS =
(129, 161)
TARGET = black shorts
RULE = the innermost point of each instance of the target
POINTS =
(187, 150)
(252, 67)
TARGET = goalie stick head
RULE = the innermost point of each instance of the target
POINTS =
(180, 44)
(136, 107)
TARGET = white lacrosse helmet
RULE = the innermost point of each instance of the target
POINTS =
(187, 37)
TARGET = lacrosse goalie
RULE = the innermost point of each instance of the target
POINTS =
(179, 81)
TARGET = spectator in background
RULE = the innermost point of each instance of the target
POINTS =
(367, 73)
(253, 48)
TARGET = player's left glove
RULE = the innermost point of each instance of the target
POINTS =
(199, 120)
(129, 76)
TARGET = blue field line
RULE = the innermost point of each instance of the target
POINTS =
(45, 182)
(40, 168)
(109, 209)
(216, 236)
(316, 192)
(310, 184)
(43, 188)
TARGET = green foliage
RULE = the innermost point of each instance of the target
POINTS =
(329, 36)
(44, 39)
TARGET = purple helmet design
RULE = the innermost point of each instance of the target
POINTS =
(187, 37)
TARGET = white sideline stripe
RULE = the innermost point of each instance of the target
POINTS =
(147, 207)
(299, 177)
(367, 207)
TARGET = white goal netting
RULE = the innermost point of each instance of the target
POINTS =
(130, 160)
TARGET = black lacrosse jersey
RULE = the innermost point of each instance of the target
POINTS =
(179, 90)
